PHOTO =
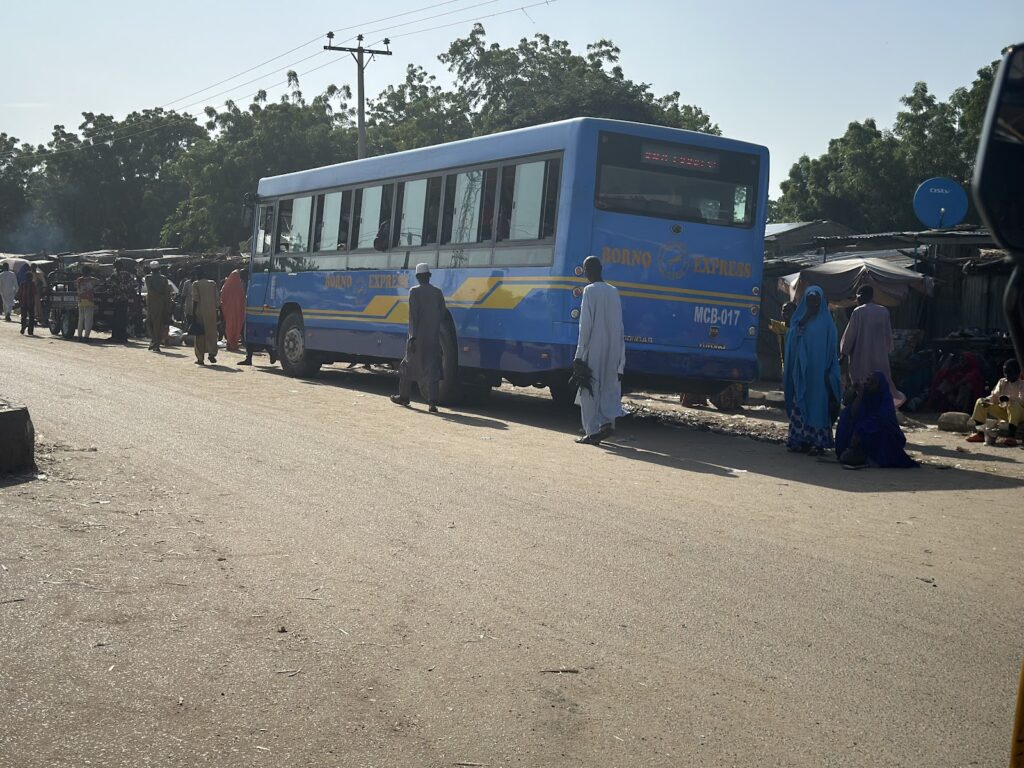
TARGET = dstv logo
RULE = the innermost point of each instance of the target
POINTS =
(940, 190)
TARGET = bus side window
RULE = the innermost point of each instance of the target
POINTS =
(418, 204)
(293, 220)
(469, 201)
(525, 192)
(262, 243)
(331, 228)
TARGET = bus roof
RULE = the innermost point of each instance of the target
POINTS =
(550, 137)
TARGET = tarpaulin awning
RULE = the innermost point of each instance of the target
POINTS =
(841, 279)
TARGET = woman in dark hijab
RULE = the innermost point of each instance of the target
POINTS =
(868, 433)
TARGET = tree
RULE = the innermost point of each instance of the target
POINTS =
(15, 166)
(108, 187)
(416, 113)
(542, 80)
(265, 139)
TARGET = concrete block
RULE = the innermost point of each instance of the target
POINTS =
(17, 439)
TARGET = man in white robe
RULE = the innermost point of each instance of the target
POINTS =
(602, 346)
(867, 342)
(8, 289)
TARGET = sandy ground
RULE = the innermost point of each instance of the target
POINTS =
(229, 567)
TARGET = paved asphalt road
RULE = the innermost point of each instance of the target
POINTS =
(712, 600)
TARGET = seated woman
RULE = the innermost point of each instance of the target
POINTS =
(868, 433)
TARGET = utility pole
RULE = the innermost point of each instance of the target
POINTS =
(358, 53)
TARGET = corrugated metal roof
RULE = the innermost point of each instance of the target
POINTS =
(771, 230)
(971, 236)
(901, 257)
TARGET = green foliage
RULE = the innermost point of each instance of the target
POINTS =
(542, 80)
(867, 177)
(416, 113)
(107, 186)
(15, 164)
(263, 140)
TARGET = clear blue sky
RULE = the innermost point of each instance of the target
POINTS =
(790, 75)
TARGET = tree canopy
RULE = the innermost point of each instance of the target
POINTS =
(160, 177)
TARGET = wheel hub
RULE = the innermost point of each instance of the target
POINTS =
(294, 346)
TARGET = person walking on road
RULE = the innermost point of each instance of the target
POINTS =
(422, 362)
(232, 304)
(868, 433)
(27, 294)
(601, 355)
(867, 342)
(122, 290)
(811, 376)
(41, 288)
(158, 305)
(8, 289)
(85, 286)
(204, 300)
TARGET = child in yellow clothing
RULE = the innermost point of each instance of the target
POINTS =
(1006, 403)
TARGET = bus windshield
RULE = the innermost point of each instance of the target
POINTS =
(676, 181)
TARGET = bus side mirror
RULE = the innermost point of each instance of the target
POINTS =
(998, 184)
(248, 210)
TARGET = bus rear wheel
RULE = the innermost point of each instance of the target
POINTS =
(563, 391)
(730, 399)
(296, 360)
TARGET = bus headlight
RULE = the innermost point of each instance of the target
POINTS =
(756, 290)
(575, 314)
(754, 310)
(752, 330)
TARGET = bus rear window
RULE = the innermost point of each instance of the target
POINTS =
(676, 181)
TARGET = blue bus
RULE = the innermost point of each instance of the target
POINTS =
(505, 221)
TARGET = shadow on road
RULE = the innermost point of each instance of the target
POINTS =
(683, 448)
(933, 451)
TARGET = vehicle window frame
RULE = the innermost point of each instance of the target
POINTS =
(436, 254)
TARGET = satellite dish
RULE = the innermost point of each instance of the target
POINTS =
(940, 203)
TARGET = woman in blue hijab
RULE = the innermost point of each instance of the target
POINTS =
(811, 375)
(868, 432)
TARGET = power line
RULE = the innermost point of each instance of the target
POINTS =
(317, 38)
(466, 21)
(115, 139)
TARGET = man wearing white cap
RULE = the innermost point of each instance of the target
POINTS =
(422, 361)
(158, 305)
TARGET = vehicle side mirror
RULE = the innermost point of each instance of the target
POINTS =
(248, 211)
(999, 169)
(999, 180)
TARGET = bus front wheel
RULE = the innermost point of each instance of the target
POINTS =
(563, 391)
(296, 360)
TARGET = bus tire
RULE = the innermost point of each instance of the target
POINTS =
(450, 388)
(296, 360)
(68, 324)
(476, 394)
(53, 322)
(563, 391)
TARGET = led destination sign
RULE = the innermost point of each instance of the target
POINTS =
(675, 156)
